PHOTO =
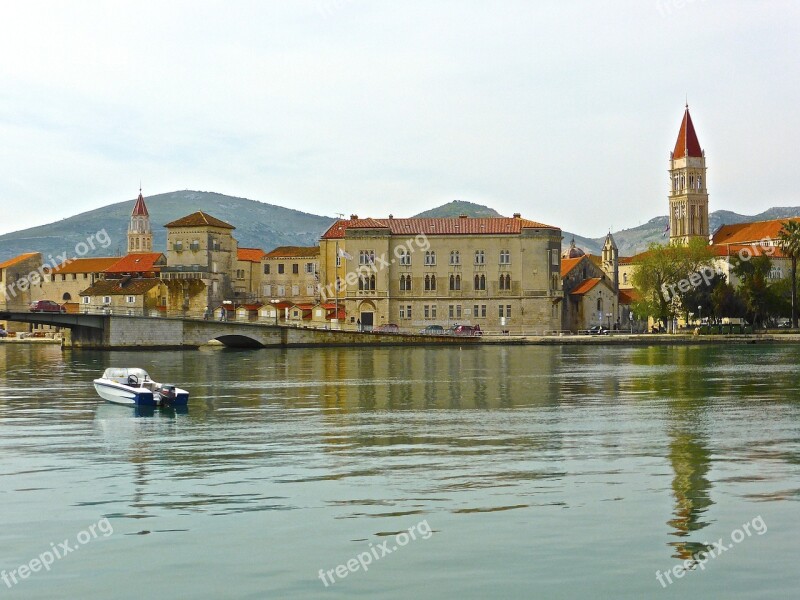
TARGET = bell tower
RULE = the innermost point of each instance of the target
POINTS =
(140, 238)
(688, 196)
(610, 261)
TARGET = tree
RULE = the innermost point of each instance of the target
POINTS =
(789, 236)
(664, 273)
(759, 298)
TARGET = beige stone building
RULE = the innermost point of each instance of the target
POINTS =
(65, 282)
(132, 296)
(500, 273)
(247, 277)
(201, 262)
(291, 273)
(15, 284)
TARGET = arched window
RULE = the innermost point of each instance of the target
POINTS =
(427, 283)
(455, 257)
(477, 282)
(458, 282)
(372, 282)
(600, 305)
(433, 282)
(66, 297)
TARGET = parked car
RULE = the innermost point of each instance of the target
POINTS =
(388, 328)
(598, 330)
(47, 306)
(433, 330)
(3, 333)
(467, 330)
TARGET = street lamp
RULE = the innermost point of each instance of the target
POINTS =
(275, 308)
(632, 318)
(608, 316)
(700, 313)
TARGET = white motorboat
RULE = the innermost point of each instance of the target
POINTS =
(133, 387)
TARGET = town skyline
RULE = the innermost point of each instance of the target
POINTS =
(528, 109)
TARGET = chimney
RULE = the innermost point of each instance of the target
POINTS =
(462, 216)
(517, 216)
(353, 217)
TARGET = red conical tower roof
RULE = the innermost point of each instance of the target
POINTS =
(139, 209)
(687, 144)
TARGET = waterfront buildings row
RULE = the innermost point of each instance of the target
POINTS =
(504, 274)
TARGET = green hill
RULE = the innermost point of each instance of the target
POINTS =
(257, 224)
(457, 208)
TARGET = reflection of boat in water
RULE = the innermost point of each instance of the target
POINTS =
(133, 387)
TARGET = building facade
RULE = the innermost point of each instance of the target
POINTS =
(291, 273)
(201, 261)
(500, 273)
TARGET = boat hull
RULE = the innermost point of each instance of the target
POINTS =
(125, 395)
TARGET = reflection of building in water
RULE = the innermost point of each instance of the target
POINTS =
(417, 377)
(690, 460)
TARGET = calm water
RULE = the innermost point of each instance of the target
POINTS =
(524, 472)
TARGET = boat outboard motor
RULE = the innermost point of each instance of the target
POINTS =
(167, 392)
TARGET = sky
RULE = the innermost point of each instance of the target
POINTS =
(564, 111)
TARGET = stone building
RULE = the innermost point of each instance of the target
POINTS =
(248, 274)
(688, 195)
(125, 296)
(201, 261)
(291, 273)
(15, 286)
(591, 293)
(140, 236)
(500, 273)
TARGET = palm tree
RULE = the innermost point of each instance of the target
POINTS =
(790, 242)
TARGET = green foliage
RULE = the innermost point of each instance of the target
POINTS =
(790, 243)
(659, 272)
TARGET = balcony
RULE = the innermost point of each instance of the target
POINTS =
(185, 272)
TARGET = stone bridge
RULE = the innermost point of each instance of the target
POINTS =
(118, 331)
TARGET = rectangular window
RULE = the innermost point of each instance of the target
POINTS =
(405, 258)
(554, 256)
(281, 291)
(266, 269)
(295, 290)
(508, 311)
(310, 268)
(295, 269)
(426, 310)
(451, 311)
(433, 311)
(130, 299)
(280, 268)
(177, 246)
(505, 257)
(267, 290)
(455, 257)
(483, 311)
(475, 310)
(106, 299)
(430, 258)
(309, 290)
(195, 245)
(74, 276)
(480, 257)
(86, 299)
(500, 311)
(458, 311)
(408, 311)
(366, 257)
(85, 276)
(338, 261)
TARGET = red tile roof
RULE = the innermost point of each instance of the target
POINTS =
(121, 287)
(18, 259)
(628, 297)
(293, 252)
(747, 233)
(585, 286)
(139, 209)
(199, 219)
(687, 143)
(250, 254)
(749, 250)
(438, 226)
(85, 265)
(567, 264)
(146, 262)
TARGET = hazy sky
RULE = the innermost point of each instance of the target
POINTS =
(563, 111)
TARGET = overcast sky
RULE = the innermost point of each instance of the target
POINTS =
(563, 111)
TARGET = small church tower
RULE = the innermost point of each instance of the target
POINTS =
(140, 238)
(610, 261)
(688, 196)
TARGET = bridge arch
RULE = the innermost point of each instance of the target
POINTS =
(239, 341)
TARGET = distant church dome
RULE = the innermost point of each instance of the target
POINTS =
(573, 251)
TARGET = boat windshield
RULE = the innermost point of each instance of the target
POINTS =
(121, 375)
